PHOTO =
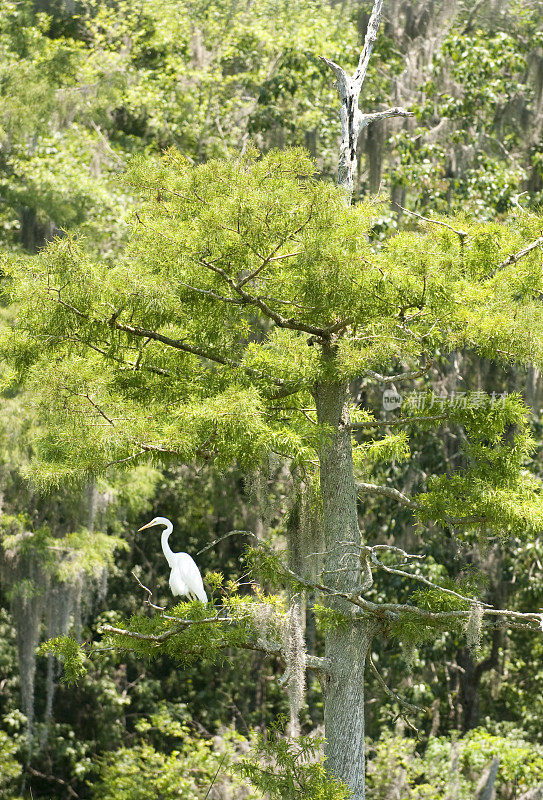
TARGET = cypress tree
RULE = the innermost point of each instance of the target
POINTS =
(248, 298)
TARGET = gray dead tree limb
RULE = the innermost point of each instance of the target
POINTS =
(533, 794)
(486, 788)
(353, 121)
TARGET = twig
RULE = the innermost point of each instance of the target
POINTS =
(222, 538)
(97, 407)
(107, 145)
(148, 600)
(54, 778)
(514, 257)
(462, 235)
(402, 376)
(215, 777)
(391, 693)
(422, 579)
(403, 499)
(283, 322)
(235, 300)
(400, 421)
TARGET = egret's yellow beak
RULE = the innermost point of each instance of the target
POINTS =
(149, 525)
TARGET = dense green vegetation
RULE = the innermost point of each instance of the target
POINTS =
(92, 95)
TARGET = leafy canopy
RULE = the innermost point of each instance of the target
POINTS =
(244, 282)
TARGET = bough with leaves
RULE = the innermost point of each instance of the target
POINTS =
(247, 300)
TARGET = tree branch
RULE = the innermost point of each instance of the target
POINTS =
(388, 491)
(396, 111)
(422, 579)
(402, 376)
(311, 662)
(272, 256)
(394, 610)
(147, 600)
(462, 235)
(131, 364)
(514, 257)
(282, 322)
(352, 119)
(177, 344)
(400, 421)
(71, 791)
(403, 499)
(391, 693)
(369, 41)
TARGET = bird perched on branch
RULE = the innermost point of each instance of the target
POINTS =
(185, 578)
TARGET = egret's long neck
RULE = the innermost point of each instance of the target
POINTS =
(168, 552)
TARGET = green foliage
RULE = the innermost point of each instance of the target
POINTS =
(290, 768)
(482, 74)
(394, 765)
(79, 95)
(330, 618)
(63, 559)
(492, 489)
(210, 350)
(49, 88)
(521, 763)
(71, 654)
(395, 762)
(10, 768)
(87, 553)
(394, 446)
(270, 567)
(77, 100)
(168, 760)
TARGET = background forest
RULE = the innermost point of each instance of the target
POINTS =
(84, 87)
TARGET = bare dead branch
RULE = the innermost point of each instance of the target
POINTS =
(215, 776)
(147, 601)
(369, 41)
(375, 116)
(221, 538)
(71, 791)
(352, 119)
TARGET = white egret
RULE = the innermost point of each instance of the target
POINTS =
(185, 578)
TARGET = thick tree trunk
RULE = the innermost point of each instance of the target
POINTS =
(344, 706)
(345, 648)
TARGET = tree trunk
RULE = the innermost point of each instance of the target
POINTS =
(345, 648)
(470, 679)
(485, 790)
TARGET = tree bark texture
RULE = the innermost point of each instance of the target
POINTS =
(345, 647)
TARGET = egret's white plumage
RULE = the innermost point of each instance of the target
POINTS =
(185, 578)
